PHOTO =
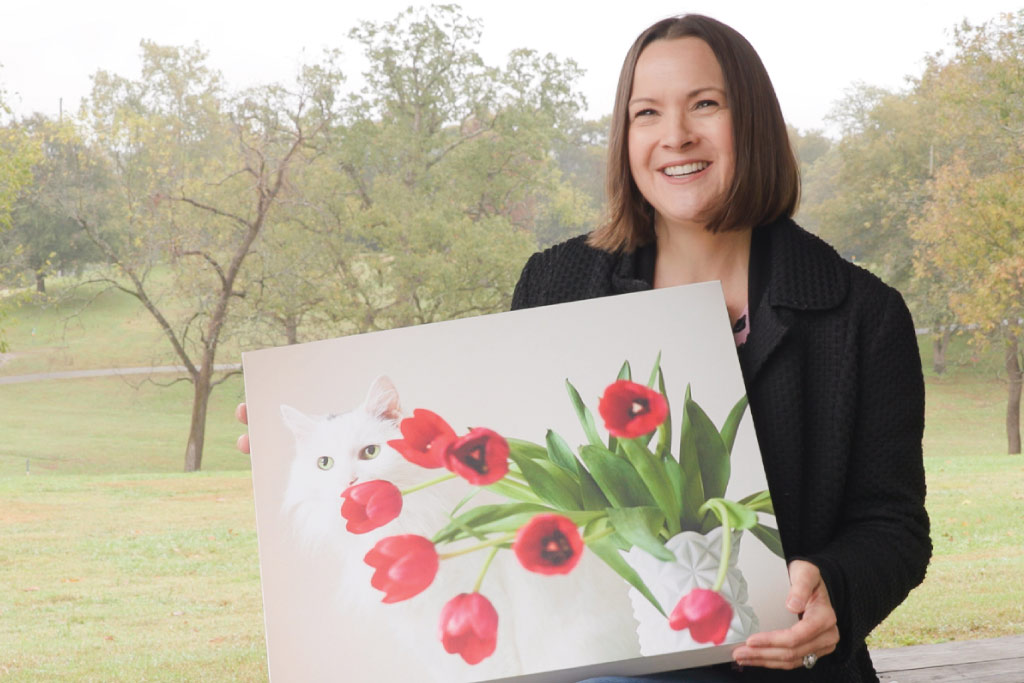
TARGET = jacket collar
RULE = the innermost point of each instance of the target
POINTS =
(805, 273)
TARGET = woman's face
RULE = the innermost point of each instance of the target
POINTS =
(680, 130)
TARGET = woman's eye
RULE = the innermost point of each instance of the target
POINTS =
(324, 462)
(704, 104)
(370, 452)
(643, 112)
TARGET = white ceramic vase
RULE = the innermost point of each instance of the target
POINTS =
(696, 566)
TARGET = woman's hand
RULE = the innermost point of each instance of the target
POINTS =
(243, 416)
(816, 632)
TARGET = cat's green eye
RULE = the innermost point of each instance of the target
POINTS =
(369, 452)
(325, 462)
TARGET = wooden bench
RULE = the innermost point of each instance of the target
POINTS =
(986, 661)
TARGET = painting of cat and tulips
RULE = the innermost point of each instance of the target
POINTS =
(471, 548)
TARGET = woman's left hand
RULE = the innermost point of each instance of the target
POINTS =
(816, 632)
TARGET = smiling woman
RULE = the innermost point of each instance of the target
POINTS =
(701, 185)
(680, 133)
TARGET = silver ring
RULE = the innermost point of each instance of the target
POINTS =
(810, 660)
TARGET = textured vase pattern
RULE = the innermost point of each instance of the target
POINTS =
(696, 566)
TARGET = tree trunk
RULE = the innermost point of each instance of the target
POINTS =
(197, 429)
(40, 283)
(940, 343)
(1013, 374)
(291, 329)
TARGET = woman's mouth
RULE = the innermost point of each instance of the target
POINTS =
(683, 170)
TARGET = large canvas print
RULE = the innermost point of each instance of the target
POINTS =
(539, 495)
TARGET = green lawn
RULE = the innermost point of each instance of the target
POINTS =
(130, 578)
(114, 566)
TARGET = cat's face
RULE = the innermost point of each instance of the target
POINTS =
(337, 451)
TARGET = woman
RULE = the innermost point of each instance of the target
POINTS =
(702, 184)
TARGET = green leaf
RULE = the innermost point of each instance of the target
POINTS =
(770, 537)
(482, 515)
(648, 466)
(551, 483)
(740, 516)
(655, 371)
(593, 498)
(558, 452)
(712, 456)
(759, 502)
(606, 549)
(664, 449)
(616, 478)
(732, 423)
(639, 526)
(526, 449)
(515, 522)
(465, 499)
(513, 490)
(692, 491)
(583, 414)
(625, 372)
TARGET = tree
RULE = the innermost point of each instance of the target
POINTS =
(44, 239)
(861, 193)
(17, 154)
(195, 176)
(434, 182)
(974, 227)
(971, 229)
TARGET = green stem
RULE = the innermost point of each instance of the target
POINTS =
(479, 546)
(487, 565)
(417, 487)
(515, 475)
(599, 535)
(723, 563)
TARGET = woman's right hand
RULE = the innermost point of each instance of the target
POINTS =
(243, 416)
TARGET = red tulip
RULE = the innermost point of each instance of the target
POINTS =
(405, 566)
(480, 457)
(548, 544)
(370, 505)
(426, 438)
(631, 410)
(706, 613)
(469, 627)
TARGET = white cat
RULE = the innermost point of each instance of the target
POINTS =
(337, 451)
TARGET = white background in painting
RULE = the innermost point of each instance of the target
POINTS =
(505, 372)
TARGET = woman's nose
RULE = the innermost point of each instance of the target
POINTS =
(679, 133)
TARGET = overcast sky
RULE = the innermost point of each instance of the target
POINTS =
(814, 51)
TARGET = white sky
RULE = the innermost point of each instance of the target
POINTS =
(814, 50)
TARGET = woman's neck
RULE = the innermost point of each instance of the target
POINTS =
(692, 254)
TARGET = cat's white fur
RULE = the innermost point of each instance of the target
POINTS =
(312, 505)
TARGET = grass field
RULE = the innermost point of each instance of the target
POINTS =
(115, 566)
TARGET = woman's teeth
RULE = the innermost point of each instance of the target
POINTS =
(685, 169)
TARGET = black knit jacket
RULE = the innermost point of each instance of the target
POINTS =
(833, 375)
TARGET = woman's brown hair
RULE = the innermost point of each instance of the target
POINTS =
(766, 180)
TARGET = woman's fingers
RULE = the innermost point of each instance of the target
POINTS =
(242, 415)
(790, 655)
(816, 632)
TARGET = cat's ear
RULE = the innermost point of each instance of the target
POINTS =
(382, 400)
(297, 421)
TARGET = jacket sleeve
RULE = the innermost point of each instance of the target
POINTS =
(883, 546)
(524, 294)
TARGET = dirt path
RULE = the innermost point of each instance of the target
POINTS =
(107, 372)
